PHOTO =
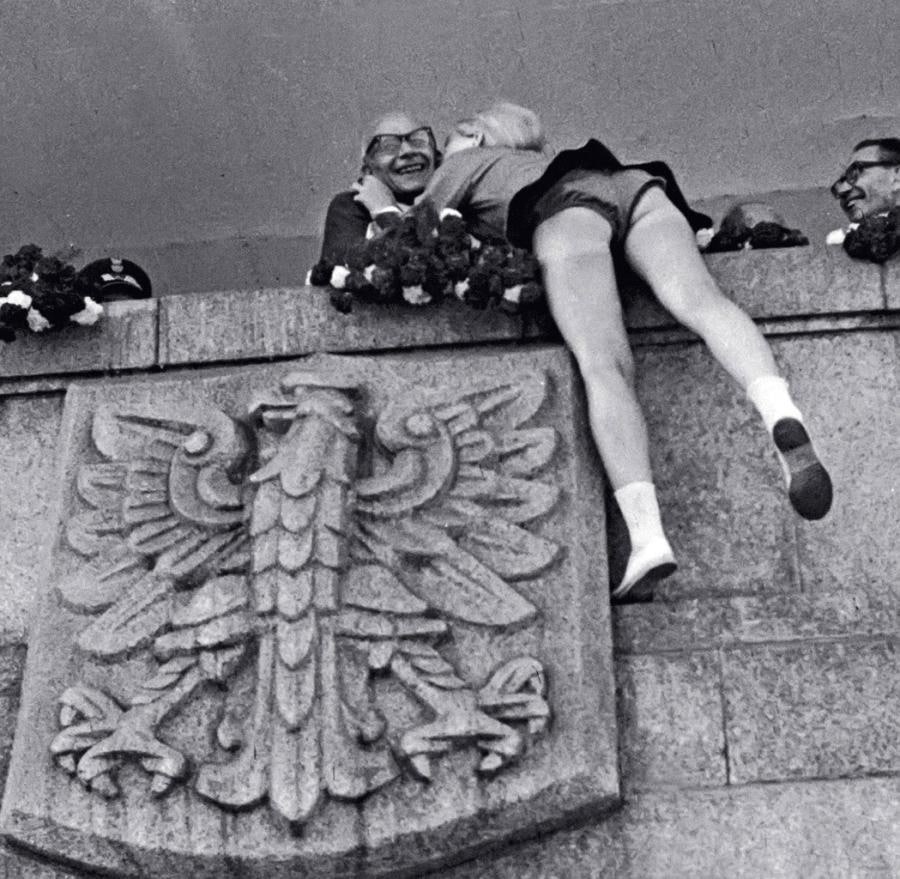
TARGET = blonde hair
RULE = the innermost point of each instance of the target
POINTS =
(509, 125)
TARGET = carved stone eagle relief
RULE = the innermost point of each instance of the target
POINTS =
(325, 552)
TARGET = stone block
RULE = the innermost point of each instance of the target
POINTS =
(391, 569)
(238, 325)
(125, 338)
(699, 624)
(891, 276)
(719, 485)
(848, 386)
(826, 830)
(779, 283)
(670, 721)
(823, 710)
(29, 427)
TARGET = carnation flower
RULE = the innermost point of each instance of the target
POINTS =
(339, 277)
(513, 294)
(836, 236)
(460, 288)
(425, 257)
(37, 323)
(876, 238)
(416, 295)
(88, 315)
(20, 298)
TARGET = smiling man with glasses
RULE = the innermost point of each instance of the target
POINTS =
(870, 184)
(399, 155)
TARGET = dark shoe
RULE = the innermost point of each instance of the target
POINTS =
(809, 486)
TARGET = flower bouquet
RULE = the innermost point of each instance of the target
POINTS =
(39, 293)
(423, 257)
(754, 226)
(875, 238)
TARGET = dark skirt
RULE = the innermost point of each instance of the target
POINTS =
(529, 207)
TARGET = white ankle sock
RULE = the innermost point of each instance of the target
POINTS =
(640, 509)
(770, 395)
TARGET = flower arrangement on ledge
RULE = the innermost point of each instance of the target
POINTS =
(875, 238)
(423, 258)
(40, 293)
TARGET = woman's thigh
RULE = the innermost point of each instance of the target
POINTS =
(661, 248)
(573, 249)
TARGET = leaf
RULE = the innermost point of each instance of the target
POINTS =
(516, 500)
(508, 550)
(132, 621)
(463, 588)
(93, 591)
(374, 587)
(524, 452)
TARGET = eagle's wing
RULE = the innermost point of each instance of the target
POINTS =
(449, 514)
(163, 507)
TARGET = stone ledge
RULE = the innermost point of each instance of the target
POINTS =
(704, 624)
(125, 338)
(795, 290)
(235, 325)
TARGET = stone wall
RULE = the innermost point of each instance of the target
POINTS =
(759, 696)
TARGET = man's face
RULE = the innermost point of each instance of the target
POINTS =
(875, 188)
(403, 164)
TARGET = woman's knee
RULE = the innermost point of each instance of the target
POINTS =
(606, 364)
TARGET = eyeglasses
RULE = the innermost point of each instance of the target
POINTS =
(390, 144)
(854, 170)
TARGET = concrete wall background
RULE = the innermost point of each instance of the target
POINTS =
(151, 122)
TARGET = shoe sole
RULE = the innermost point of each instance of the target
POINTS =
(809, 486)
(642, 590)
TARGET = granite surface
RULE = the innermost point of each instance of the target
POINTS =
(29, 427)
(124, 338)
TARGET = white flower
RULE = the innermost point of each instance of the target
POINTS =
(339, 275)
(513, 294)
(416, 295)
(17, 297)
(369, 272)
(89, 314)
(836, 236)
(474, 243)
(460, 288)
(37, 323)
(33, 276)
(449, 212)
(704, 236)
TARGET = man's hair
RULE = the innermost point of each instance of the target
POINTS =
(888, 147)
(509, 125)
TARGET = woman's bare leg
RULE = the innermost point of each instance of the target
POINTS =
(660, 247)
(573, 249)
